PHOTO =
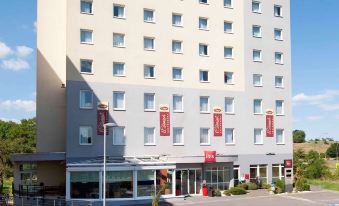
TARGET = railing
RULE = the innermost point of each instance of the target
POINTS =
(40, 191)
(39, 201)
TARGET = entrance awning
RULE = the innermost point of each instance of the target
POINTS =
(39, 157)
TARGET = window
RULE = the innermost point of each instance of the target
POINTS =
(86, 66)
(204, 105)
(229, 105)
(83, 184)
(203, 23)
(279, 58)
(203, 75)
(86, 99)
(118, 40)
(177, 73)
(258, 171)
(228, 77)
(148, 43)
(228, 27)
(118, 69)
(203, 49)
(149, 136)
(256, 7)
(257, 56)
(177, 47)
(203, 1)
(85, 135)
(149, 72)
(119, 184)
(257, 80)
(277, 11)
(229, 136)
(277, 172)
(177, 20)
(280, 139)
(118, 11)
(178, 136)
(228, 3)
(119, 100)
(258, 136)
(178, 103)
(86, 7)
(279, 107)
(149, 15)
(204, 136)
(257, 104)
(119, 136)
(278, 34)
(86, 36)
(279, 82)
(149, 102)
(228, 52)
(256, 31)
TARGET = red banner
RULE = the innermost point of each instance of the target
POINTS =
(102, 117)
(288, 163)
(269, 123)
(217, 121)
(210, 156)
(165, 126)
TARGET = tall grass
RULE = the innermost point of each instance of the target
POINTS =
(326, 184)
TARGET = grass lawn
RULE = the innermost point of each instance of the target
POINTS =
(326, 184)
(8, 186)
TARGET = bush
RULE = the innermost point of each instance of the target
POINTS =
(227, 193)
(235, 191)
(216, 193)
(299, 136)
(332, 150)
(252, 186)
(266, 186)
(280, 186)
(243, 186)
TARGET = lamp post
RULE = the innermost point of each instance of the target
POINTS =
(104, 178)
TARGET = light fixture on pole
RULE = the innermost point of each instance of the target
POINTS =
(104, 178)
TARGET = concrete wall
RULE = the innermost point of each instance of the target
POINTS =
(52, 173)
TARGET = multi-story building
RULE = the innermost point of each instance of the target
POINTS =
(199, 91)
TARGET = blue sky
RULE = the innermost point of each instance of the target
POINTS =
(315, 53)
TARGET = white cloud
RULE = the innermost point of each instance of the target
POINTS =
(314, 118)
(329, 107)
(35, 26)
(4, 50)
(24, 105)
(9, 120)
(14, 64)
(23, 51)
(315, 99)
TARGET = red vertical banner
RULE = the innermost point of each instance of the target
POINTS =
(217, 121)
(165, 125)
(210, 156)
(102, 117)
(269, 123)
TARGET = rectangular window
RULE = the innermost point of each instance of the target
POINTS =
(118, 11)
(119, 100)
(229, 105)
(178, 136)
(85, 135)
(257, 56)
(279, 107)
(228, 77)
(203, 49)
(256, 31)
(177, 73)
(149, 102)
(149, 136)
(203, 1)
(257, 80)
(228, 52)
(279, 81)
(277, 11)
(203, 23)
(149, 72)
(118, 69)
(149, 43)
(280, 139)
(257, 104)
(203, 75)
(258, 136)
(204, 105)
(229, 136)
(177, 20)
(86, 99)
(149, 15)
(278, 34)
(279, 58)
(204, 136)
(177, 47)
(119, 136)
(86, 36)
(228, 27)
(178, 103)
(256, 7)
(86, 7)
(118, 40)
(228, 3)
(86, 66)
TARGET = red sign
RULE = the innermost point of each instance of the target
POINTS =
(217, 121)
(165, 125)
(288, 163)
(269, 123)
(102, 117)
(247, 176)
(210, 156)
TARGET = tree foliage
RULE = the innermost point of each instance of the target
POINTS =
(299, 136)
(333, 150)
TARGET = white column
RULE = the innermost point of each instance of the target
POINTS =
(68, 185)
(135, 184)
(173, 183)
(100, 183)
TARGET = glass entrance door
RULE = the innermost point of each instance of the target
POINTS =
(188, 182)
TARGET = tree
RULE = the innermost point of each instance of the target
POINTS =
(333, 150)
(299, 136)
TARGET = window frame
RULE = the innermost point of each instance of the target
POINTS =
(124, 40)
(182, 73)
(209, 136)
(86, 1)
(261, 107)
(124, 70)
(80, 98)
(154, 139)
(261, 80)
(149, 66)
(201, 71)
(282, 136)
(261, 136)
(181, 46)
(124, 11)
(154, 17)
(282, 107)
(182, 102)
(259, 9)
(92, 33)
(91, 138)
(208, 105)
(92, 68)
(154, 102)
(233, 105)
(124, 136)
(233, 136)
(182, 143)
(124, 102)
(182, 19)
(153, 43)
(260, 52)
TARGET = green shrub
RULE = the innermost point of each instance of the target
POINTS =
(280, 185)
(266, 186)
(252, 186)
(243, 186)
(216, 193)
(237, 191)
(227, 193)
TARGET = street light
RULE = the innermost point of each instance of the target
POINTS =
(104, 188)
